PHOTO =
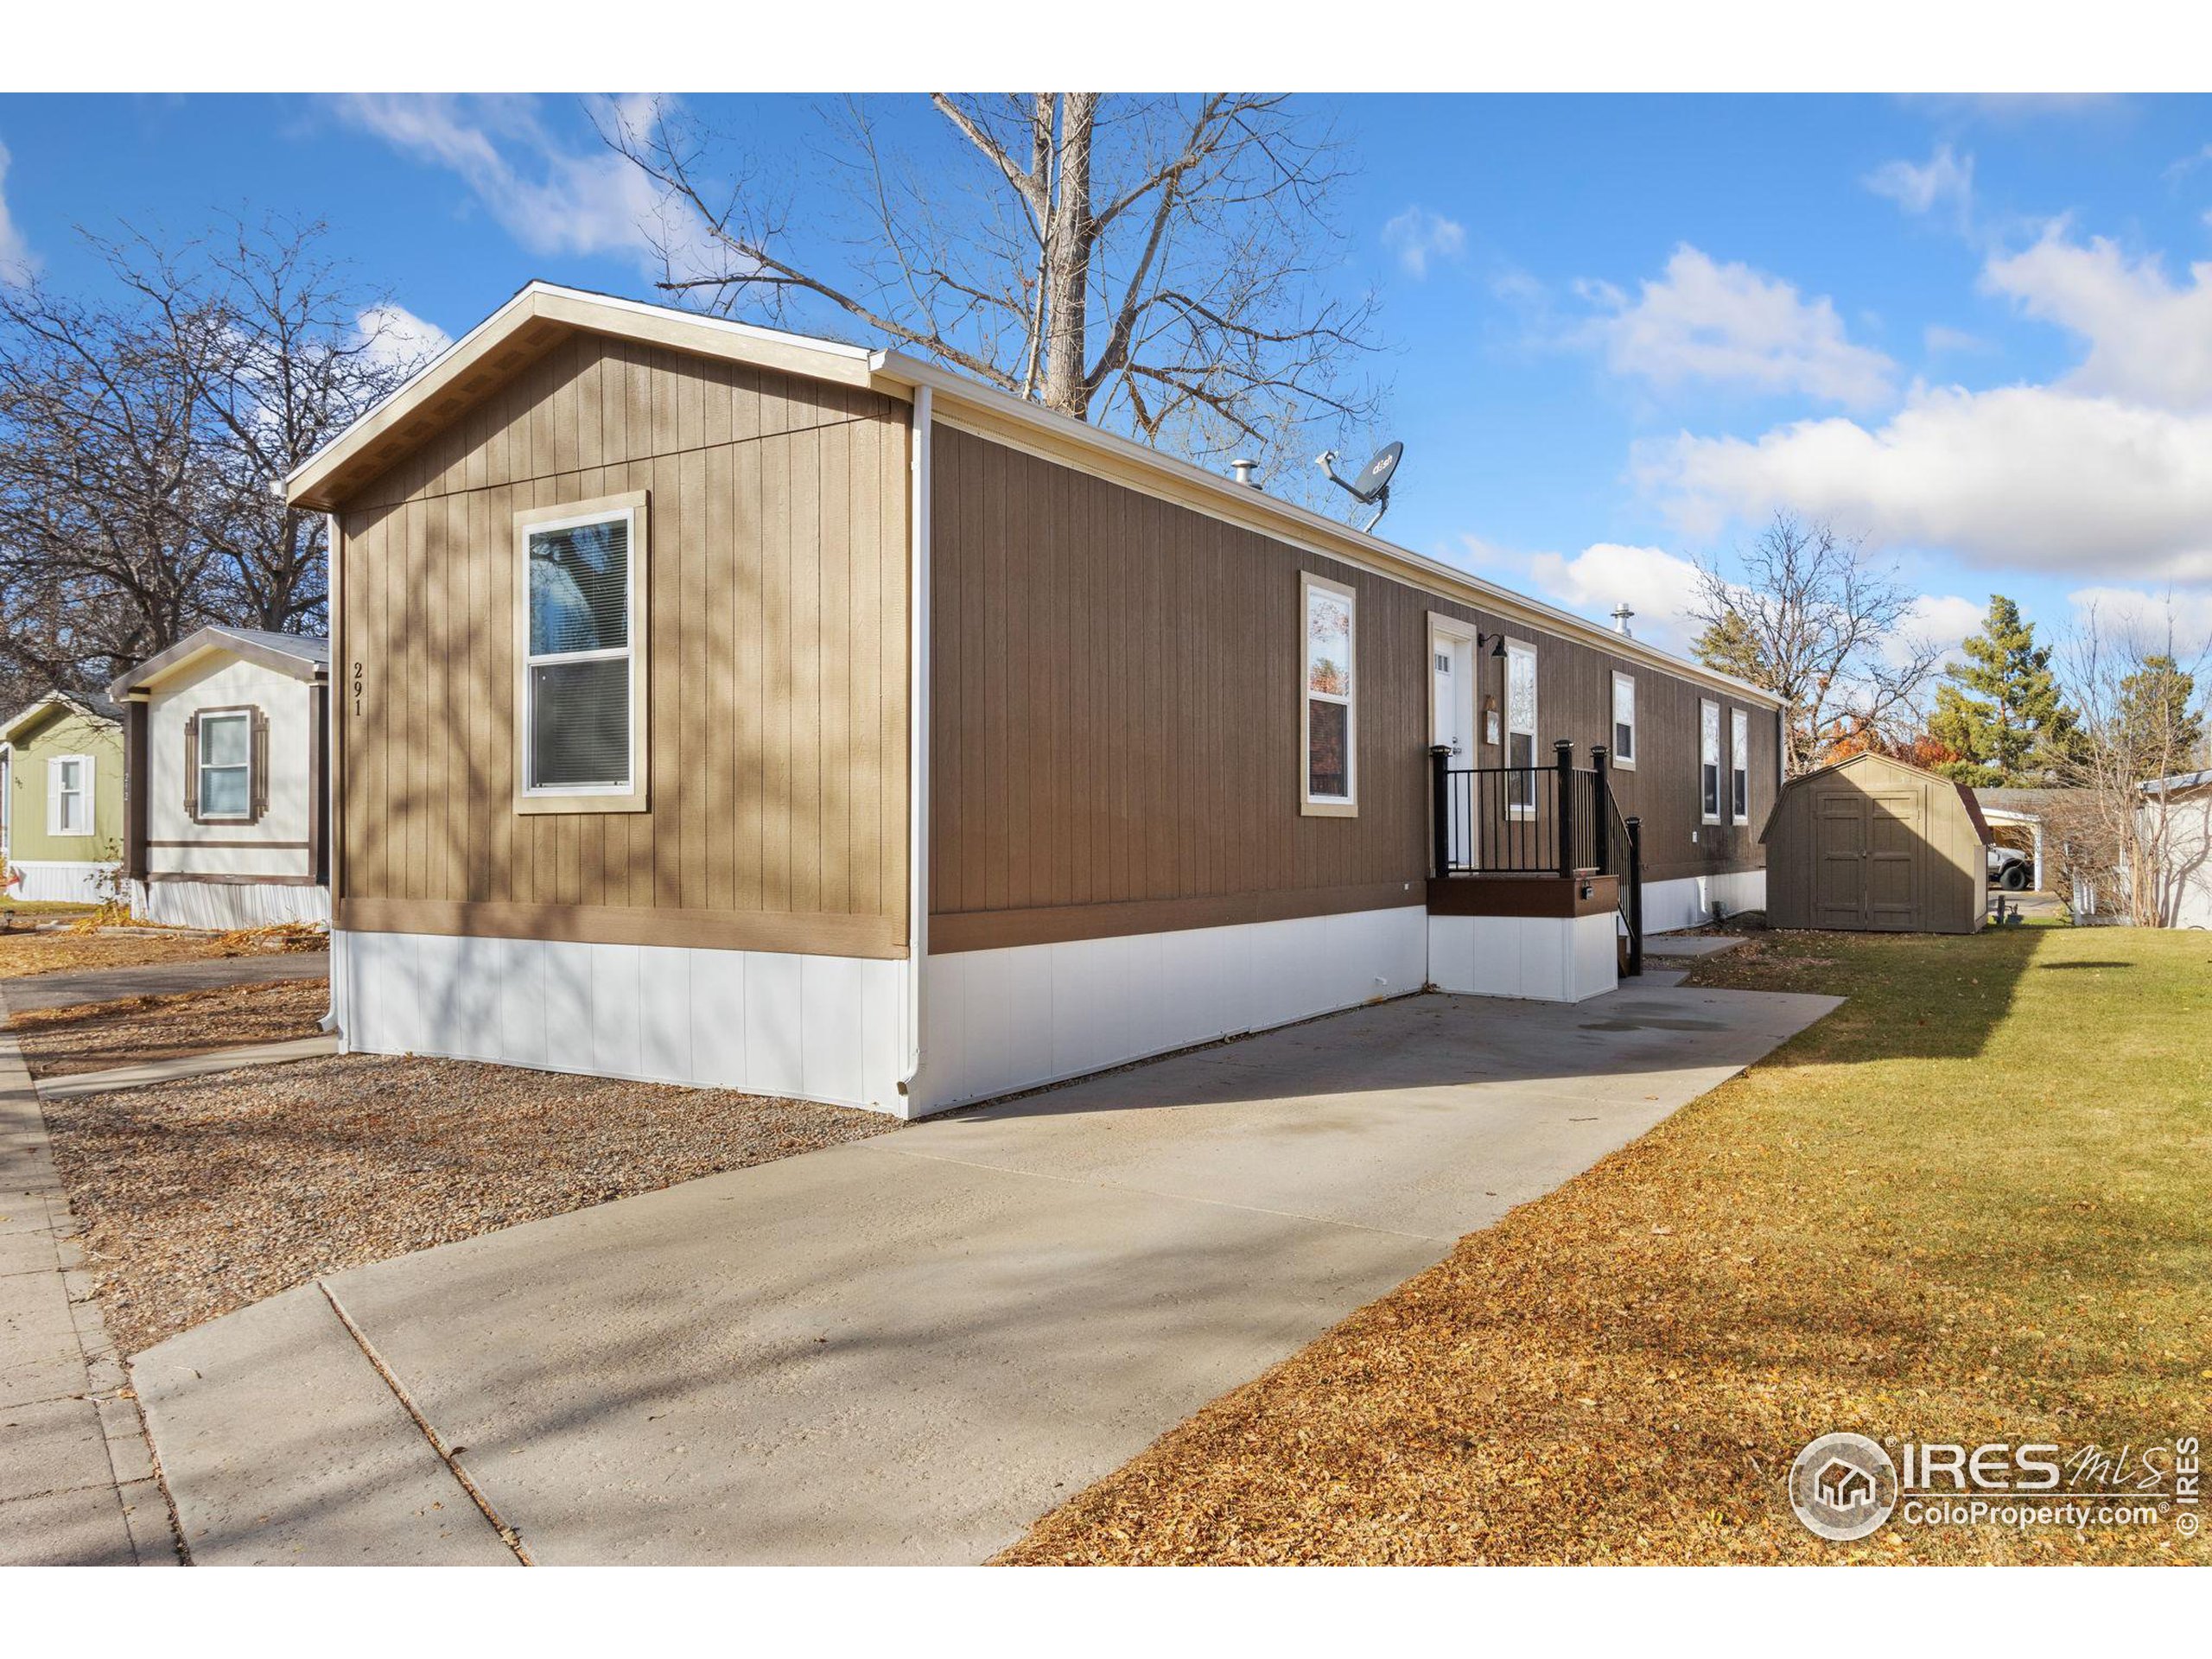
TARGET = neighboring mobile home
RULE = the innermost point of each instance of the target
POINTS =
(718, 705)
(63, 825)
(2182, 807)
(226, 733)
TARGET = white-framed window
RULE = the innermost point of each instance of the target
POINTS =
(227, 764)
(1328, 668)
(580, 637)
(1521, 728)
(1624, 721)
(1739, 766)
(69, 795)
(1709, 761)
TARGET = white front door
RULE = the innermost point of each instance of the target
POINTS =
(1452, 657)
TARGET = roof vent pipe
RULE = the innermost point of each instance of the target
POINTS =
(1621, 614)
(1245, 469)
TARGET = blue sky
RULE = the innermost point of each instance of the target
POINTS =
(1620, 329)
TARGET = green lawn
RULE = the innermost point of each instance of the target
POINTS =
(1971, 1205)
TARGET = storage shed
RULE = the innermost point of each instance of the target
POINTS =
(1872, 845)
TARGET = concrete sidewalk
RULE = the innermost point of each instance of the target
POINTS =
(907, 1348)
(77, 1485)
(161, 979)
(75, 1085)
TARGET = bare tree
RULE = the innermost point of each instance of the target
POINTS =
(305, 353)
(1158, 263)
(2142, 711)
(144, 440)
(103, 492)
(1810, 620)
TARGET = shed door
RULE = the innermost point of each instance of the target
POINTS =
(1839, 859)
(1897, 861)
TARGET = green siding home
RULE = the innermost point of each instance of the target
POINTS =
(61, 800)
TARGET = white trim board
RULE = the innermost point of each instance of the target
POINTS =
(1535, 958)
(1003, 1020)
(825, 1028)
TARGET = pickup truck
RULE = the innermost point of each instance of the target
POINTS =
(2010, 869)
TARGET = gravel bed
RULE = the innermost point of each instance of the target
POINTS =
(200, 1196)
(135, 1030)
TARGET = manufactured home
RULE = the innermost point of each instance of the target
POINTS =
(718, 705)
(61, 800)
(224, 734)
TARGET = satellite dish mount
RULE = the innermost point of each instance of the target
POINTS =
(1372, 487)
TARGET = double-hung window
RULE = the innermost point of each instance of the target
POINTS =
(1739, 766)
(1329, 668)
(1708, 762)
(1624, 721)
(69, 795)
(227, 764)
(1521, 728)
(580, 649)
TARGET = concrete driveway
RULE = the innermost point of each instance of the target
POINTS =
(905, 1350)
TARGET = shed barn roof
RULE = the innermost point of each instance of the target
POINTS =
(1966, 796)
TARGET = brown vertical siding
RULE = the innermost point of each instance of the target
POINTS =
(777, 673)
(1115, 719)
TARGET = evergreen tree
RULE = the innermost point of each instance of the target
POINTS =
(2160, 724)
(1727, 646)
(2000, 711)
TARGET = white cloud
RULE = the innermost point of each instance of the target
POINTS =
(1418, 236)
(1939, 619)
(1944, 181)
(16, 261)
(2144, 616)
(552, 197)
(2149, 339)
(1658, 585)
(2022, 476)
(1705, 320)
(1941, 339)
(396, 337)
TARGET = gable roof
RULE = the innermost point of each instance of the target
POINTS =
(2179, 783)
(302, 656)
(37, 713)
(1966, 795)
(543, 313)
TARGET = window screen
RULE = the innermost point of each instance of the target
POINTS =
(1708, 762)
(1624, 720)
(578, 671)
(1329, 693)
(226, 766)
(1739, 766)
(1521, 728)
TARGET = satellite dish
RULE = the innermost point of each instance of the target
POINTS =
(1372, 487)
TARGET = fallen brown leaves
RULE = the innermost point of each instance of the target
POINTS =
(133, 1031)
(86, 947)
(1880, 1227)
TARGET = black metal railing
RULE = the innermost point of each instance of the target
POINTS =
(1517, 820)
(1558, 820)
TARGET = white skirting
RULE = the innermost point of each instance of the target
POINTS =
(1687, 900)
(827, 1028)
(1541, 958)
(227, 905)
(52, 881)
(994, 1022)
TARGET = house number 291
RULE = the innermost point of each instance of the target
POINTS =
(357, 688)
